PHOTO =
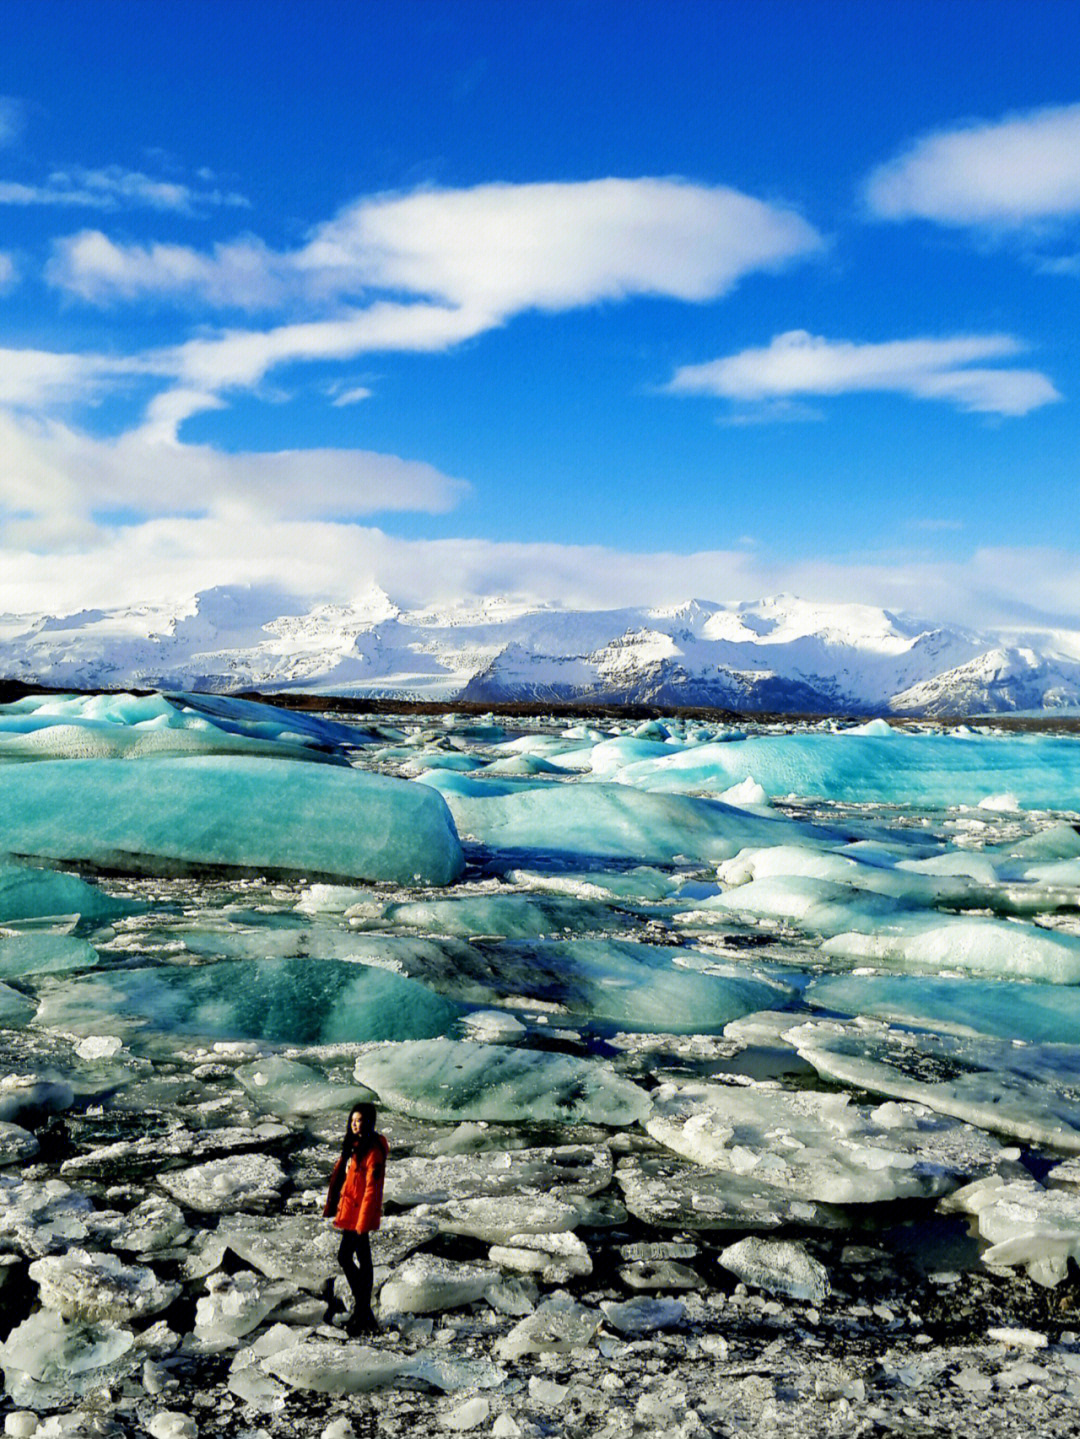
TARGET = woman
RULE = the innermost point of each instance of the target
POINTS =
(355, 1201)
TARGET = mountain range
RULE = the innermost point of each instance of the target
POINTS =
(778, 655)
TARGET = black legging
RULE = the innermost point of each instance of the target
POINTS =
(354, 1256)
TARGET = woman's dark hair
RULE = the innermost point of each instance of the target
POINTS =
(359, 1143)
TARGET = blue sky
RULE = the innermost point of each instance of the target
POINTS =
(592, 302)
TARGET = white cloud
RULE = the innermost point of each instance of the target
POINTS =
(352, 396)
(494, 249)
(114, 188)
(797, 363)
(1004, 173)
(35, 378)
(59, 566)
(53, 473)
(242, 273)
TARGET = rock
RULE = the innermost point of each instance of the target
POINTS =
(778, 1267)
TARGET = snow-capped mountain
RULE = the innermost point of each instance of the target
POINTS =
(779, 654)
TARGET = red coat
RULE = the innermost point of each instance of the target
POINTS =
(356, 1188)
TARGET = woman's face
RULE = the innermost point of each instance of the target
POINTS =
(355, 1123)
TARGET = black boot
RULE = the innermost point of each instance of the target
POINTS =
(361, 1321)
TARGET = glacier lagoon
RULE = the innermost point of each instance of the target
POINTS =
(625, 994)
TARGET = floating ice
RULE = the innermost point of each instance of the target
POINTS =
(1025, 1224)
(1041, 771)
(40, 952)
(508, 916)
(283, 1086)
(506, 1218)
(48, 1361)
(45, 894)
(275, 815)
(16, 1144)
(674, 1195)
(222, 1186)
(818, 1146)
(98, 1287)
(609, 821)
(234, 1305)
(328, 1367)
(285, 1000)
(15, 1009)
(1028, 1091)
(575, 1168)
(1035, 1013)
(300, 1249)
(778, 1267)
(444, 1079)
(126, 726)
(559, 1325)
(426, 1284)
(640, 1316)
(555, 1258)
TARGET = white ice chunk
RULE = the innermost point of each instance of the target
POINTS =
(98, 1287)
(234, 1305)
(608, 821)
(328, 1367)
(1028, 1092)
(1025, 1224)
(559, 1325)
(818, 1146)
(641, 1315)
(426, 1284)
(447, 1080)
(778, 1267)
(48, 1361)
(222, 1186)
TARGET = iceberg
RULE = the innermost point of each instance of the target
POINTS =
(169, 815)
(127, 726)
(292, 1001)
(453, 1080)
(605, 821)
(33, 894)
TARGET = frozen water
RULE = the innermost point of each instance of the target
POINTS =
(162, 815)
(16, 1144)
(41, 952)
(818, 1146)
(1025, 1224)
(234, 1305)
(283, 1086)
(126, 726)
(49, 1361)
(1036, 1013)
(44, 894)
(448, 1080)
(328, 1367)
(778, 1267)
(557, 1326)
(577, 1169)
(15, 1009)
(1028, 1092)
(222, 1186)
(1041, 771)
(608, 821)
(640, 1315)
(286, 1000)
(426, 1284)
(675, 1195)
(98, 1287)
